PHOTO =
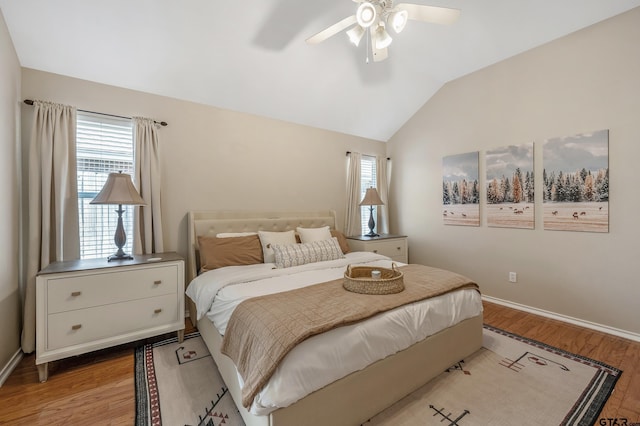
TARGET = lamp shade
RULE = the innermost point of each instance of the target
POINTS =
(118, 189)
(366, 14)
(355, 34)
(371, 198)
(382, 37)
(398, 20)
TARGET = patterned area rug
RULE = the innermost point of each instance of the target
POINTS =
(511, 380)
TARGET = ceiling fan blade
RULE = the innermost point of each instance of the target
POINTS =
(332, 30)
(432, 14)
(379, 55)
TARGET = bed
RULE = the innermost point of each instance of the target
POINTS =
(359, 395)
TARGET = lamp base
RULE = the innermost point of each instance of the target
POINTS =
(372, 224)
(120, 238)
(119, 256)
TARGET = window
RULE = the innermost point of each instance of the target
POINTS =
(368, 179)
(104, 145)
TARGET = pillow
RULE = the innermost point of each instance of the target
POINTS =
(342, 240)
(288, 255)
(268, 238)
(235, 234)
(309, 235)
(219, 252)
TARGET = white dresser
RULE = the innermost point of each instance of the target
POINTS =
(85, 305)
(393, 246)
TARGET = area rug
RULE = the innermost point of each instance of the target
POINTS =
(511, 380)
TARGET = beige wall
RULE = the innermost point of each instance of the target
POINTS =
(214, 159)
(587, 81)
(10, 198)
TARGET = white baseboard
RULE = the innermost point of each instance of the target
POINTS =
(564, 318)
(11, 365)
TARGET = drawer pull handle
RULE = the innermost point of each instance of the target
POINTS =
(399, 248)
(375, 251)
(157, 311)
(76, 327)
(156, 282)
(76, 293)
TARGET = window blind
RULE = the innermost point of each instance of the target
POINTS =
(104, 145)
(368, 179)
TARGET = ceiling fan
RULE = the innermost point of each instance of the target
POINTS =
(376, 15)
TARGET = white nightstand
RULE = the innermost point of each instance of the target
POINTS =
(394, 246)
(85, 305)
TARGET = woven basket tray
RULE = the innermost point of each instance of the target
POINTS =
(358, 280)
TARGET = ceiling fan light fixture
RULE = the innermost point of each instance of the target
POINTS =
(366, 14)
(355, 34)
(398, 20)
(382, 38)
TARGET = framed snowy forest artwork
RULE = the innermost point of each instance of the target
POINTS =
(576, 182)
(460, 189)
(510, 188)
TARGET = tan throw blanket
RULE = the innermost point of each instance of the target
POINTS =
(262, 330)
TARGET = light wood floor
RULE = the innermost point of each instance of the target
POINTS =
(98, 388)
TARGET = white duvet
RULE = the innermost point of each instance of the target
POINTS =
(327, 357)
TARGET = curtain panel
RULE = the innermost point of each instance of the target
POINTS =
(383, 190)
(53, 225)
(352, 224)
(147, 225)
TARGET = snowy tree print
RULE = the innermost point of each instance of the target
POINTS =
(576, 182)
(460, 189)
(510, 187)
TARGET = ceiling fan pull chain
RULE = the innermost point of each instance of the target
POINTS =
(368, 37)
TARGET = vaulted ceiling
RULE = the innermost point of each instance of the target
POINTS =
(251, 55)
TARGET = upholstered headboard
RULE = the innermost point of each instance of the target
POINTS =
(212, 223)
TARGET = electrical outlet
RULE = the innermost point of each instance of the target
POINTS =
(513, 277)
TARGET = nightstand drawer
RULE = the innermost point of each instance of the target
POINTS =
(84, 291)
(392, 248)
(92, 324)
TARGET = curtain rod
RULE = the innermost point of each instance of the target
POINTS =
(349, 153)
(162, 123)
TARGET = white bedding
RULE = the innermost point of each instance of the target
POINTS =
(327, 357)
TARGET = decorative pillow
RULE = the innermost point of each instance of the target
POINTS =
(299, 254)
(267, 239)
(219, 252)
(342, 240)
(309, 235)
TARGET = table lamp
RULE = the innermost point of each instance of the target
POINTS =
(119, 189)
(371, 198)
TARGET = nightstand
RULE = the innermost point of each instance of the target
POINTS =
(86, 305)
(393, 246)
